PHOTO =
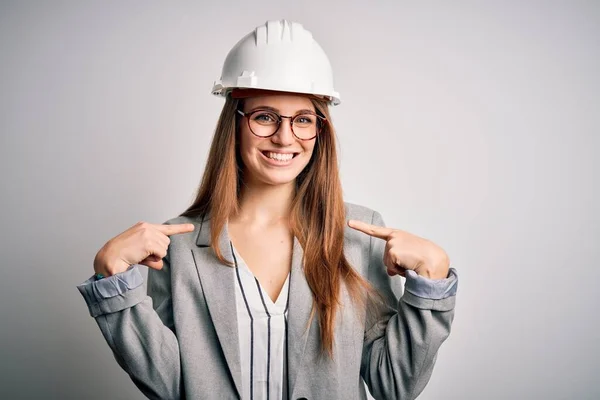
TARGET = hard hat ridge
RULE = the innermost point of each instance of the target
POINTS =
(274, 32)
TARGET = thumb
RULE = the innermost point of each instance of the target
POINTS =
(152, 261)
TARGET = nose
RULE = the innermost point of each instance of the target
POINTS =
(284, 135)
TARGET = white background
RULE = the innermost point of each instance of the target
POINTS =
(474, 124)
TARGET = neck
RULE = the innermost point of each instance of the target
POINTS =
(266, 204)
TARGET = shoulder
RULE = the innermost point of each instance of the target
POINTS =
(184, 240)
(362, 213)
(353, 237)
(364, 252)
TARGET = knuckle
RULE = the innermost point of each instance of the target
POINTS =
(395, 241)
(146, 231)
(148, 244)
(146, 225)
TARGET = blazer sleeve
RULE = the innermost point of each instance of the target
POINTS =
(402, 336)
(138, 327)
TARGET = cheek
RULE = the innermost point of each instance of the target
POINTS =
(309, 149)
(247, 143)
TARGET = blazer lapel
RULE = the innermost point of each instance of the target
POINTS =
(217, 281)
(299, 306)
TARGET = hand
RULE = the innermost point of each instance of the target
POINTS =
(143, 243)
(404, 251)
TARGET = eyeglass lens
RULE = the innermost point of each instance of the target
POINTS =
(266, 123)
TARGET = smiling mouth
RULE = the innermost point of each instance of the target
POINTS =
(279, 156)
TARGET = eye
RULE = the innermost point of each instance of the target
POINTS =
(304, 120)
(265, 118)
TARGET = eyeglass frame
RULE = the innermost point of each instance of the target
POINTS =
(280, 120)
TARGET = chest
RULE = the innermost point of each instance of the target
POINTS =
(267, 254)
(204, 315)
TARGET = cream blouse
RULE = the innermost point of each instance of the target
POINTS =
(262, 327)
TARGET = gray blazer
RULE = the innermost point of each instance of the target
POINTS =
(179, 339)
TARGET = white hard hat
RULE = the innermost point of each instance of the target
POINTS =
(281, 56)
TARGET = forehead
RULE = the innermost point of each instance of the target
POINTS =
(284, 103)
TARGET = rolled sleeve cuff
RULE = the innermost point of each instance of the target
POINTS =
(113, 293)
(446, 304)
(433, 289)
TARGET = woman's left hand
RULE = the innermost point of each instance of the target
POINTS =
(404, 251)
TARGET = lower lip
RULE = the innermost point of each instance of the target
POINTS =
(277, 163)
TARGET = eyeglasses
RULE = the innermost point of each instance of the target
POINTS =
(265, 123)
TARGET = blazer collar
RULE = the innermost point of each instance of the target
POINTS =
(217, 282)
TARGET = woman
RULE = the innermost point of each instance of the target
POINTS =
(308, 307)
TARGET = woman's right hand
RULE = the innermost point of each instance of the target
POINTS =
(143, 243)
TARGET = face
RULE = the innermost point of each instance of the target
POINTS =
(266, 160)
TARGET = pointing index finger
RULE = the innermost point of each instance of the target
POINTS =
(175, 228)
(380, 232)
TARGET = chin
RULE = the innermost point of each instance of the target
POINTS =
(278, 179)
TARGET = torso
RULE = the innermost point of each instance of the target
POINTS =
(267, 252)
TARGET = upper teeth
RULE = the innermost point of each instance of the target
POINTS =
(280, 156)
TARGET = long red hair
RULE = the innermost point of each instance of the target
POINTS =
(317, 214)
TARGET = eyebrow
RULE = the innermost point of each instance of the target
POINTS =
(277, 111)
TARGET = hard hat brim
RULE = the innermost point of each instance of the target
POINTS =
(241, 93)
